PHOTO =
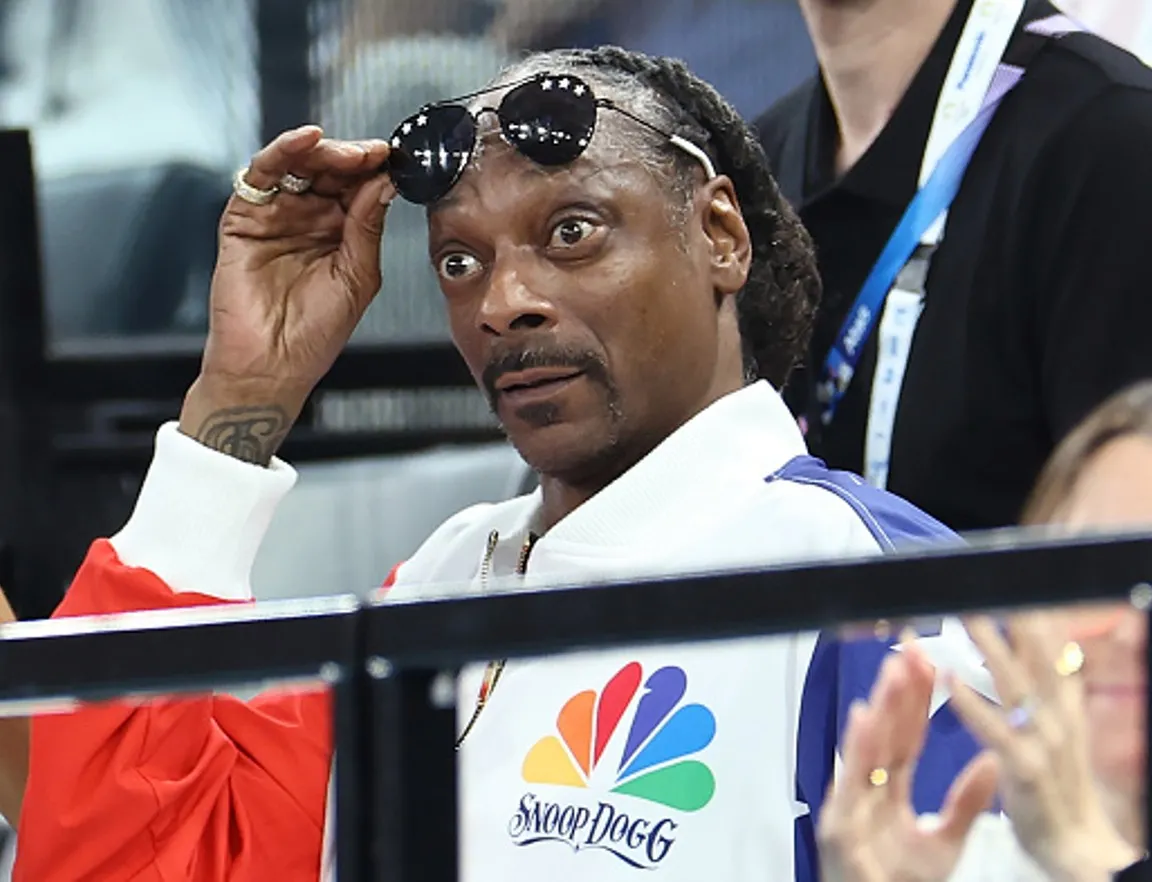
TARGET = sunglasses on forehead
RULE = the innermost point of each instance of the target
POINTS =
(549, 118)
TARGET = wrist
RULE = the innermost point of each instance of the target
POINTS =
(1092, 858)
(244, 418)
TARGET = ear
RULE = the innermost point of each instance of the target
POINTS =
(727, 235)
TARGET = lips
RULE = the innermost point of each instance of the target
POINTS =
(534, 378)
(1118, 690)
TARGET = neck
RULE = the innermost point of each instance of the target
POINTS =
(560, 496)
(869, 51)
(564, 493)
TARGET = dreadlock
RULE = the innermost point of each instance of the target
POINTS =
(777, 305)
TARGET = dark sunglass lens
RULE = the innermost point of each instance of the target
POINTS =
(550, 119)
(429, 152)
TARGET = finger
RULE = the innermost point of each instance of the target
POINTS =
(982, 718)
(363, 231)
(970, 794)
(910, 720)
(314, 218)
(891, 709)
(331, 163)
(852, 801)
(887, 703)
(1039, 640)
(279, 156)
(858, 754)
(1013, 684)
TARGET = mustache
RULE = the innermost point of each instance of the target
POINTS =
(587, 362)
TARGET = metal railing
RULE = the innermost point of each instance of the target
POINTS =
(395, 775)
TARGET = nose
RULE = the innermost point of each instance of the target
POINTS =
(513, 300)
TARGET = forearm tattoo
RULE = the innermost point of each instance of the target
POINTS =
(251, 434)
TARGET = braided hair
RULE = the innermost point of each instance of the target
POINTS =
(777, 304)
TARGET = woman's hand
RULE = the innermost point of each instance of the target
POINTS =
(1040, 736)
(868, 829)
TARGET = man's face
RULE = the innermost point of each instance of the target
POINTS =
(584, 304)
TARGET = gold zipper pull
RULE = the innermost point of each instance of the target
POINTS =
(486, 563)
(525, 553)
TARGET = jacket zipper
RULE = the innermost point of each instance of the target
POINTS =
(495, 668)
(486, 563)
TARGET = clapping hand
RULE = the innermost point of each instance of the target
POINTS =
(1037, 757)
(868, 829)
(1040, 737)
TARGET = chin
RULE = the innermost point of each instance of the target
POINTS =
(573, 452)
(1117, 738)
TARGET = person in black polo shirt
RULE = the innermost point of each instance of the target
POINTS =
(977, 175)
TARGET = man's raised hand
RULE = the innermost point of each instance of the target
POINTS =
(293, 278)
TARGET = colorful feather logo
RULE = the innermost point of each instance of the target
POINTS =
(664, 733)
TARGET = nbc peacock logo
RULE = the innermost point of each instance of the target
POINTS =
(623, 741)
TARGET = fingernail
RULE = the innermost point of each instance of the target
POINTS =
(387, 194)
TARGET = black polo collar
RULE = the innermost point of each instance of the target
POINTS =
(889, 171)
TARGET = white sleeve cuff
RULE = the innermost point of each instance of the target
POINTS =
(201, 516)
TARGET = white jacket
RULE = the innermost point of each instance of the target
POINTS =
(686, 761)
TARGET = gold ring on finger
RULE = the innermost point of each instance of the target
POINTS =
(878, 777)
(250, 194)
(1070, 660)
(295, 184)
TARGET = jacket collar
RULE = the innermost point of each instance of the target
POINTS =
(743, 437)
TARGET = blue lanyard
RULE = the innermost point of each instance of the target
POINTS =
(930, 201)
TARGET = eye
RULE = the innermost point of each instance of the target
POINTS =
(571, 232)
(458, 265)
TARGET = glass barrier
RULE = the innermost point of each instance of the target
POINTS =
(672, 725)
(169, 778)
(158, 737)
(650, 749)
(714, 759)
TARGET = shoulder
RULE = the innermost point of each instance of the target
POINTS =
(805, 513)
(1090, 171)
(1110, 100)
(1088, 53)
(892, 522)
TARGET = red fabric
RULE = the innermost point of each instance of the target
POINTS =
(390, 581)
(204, 789)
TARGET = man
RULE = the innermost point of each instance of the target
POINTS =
(614, 281)
(1000, 320)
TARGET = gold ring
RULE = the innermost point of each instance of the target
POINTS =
(878, 777)
(1071, 659)
(252, 195)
